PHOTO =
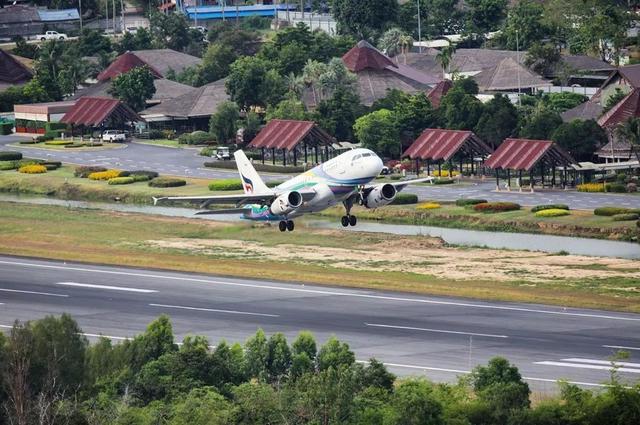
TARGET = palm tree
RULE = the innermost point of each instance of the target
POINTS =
(406, 41)
(629, 131)
(391, 43)
(311, 74)
(444, 57)
(294, 84)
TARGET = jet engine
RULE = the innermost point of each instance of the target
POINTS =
(380, 196)
(286, 203)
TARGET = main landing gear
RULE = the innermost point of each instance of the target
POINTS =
(286, 225)
(348, 220)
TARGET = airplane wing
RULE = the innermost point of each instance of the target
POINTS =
(399, 185)
(224, 211)
(237, 199)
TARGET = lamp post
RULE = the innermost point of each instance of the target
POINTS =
(518, 59)
(419, 30)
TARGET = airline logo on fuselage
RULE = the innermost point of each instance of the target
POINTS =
(247, 183)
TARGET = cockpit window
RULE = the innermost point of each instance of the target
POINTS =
(356, 157)
(366, 154)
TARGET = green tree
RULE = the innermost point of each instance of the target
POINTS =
(338, 114)
(524, 25)
(16, 373)
(630, 132)
(256, 355)
(157, 339)
(460, 110)
(415, 404)
(614, 98)
(378, 131)
(134, 87)
(257, 404)
(444, 57)
(335, 354)
(375, 374)
(23, 48)
(364, 18)
(228, 365)
(215, 63)
(93, 42)
(543, 58)
(391, 42)
(224, 123)
(564, 101)
(498, 121)
(250, 126)
(485, 15)
(303, 352)
(287, 109)
(279, 356)
(336, 77)
(202, 406)
(252, 81)
(580, 138)
(172, 31)
(540, 125)
(141, 40)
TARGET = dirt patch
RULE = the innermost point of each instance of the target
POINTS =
(421, 256)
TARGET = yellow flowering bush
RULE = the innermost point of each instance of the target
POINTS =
(553, 212)
(590, 187)
(428, 206)
(104, 175)
(444, 173)
(33, 169)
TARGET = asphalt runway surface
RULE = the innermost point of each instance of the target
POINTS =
(186, 162)
(436, 337)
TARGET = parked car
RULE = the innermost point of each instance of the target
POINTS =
(52, 35)
(222, 153)
(114, 136)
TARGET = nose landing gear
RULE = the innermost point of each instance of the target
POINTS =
(285, 225)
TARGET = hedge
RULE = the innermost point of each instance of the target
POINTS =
(84, 170)
(167, 182)
(428, 206)
(32, 169)
(121, 180)
(269, 168)
(10, 155)
(8, 165)
(443, 181)
(611, 211)
(494, 207)
(140, 177)
(148, 173)
(549, 207)
(58, 142)
(28, 142)
(225, 184)
(552, 212)
(469, 201)
(626, 217)
(444, 173)
(405, 199)
(196, 138)
(5, 128)
(590, 187)
(27, 161)
(105, 175)
(616, 188)
(57, 164)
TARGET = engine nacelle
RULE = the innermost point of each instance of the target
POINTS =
(380, 196)
(286, 203)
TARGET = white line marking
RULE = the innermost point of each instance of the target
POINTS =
(106, 287)
(435, 330)
(621, 347)
(606, 362)
(49, 294)
(120, 338)
(587, 366)
(324, 292)
(214, 310)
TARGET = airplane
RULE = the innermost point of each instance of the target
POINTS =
(346, 178)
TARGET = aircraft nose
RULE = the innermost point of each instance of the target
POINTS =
(375, 166)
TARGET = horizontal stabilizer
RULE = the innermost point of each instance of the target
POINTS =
(224, 211)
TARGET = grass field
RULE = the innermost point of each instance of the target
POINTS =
(161, 142)
(105, 146)
(414, 264)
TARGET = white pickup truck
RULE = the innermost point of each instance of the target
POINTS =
(113, 136)
(52, 35)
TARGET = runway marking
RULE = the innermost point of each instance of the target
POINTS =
(323, 292)
(214, 310)
(435, 330)
(606, 362)
(621, 347)
(586, 366)
(48, 294)
(120, 338)
(107, 287)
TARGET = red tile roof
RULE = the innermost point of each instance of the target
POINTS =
(438, 144)
(364, 56)
(628, 107)
(436, 94)
(286, 134)
(524, 154)
(93, 111)
(125, 63)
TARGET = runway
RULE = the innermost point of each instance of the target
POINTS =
(414, 335)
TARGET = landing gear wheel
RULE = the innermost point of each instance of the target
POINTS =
(344, 220)
(290, 225)
(282, 226)
(353, 220)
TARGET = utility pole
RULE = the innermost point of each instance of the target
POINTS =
(113, 17)
(106, 14)
(196, 17)
(123, 22)
(518, 59)
(80, 13)
(419, 30)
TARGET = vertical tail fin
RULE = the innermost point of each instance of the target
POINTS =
(251, 181)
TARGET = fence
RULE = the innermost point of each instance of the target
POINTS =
(321, 21)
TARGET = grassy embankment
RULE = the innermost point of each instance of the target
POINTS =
(414, 264)
(63, 185)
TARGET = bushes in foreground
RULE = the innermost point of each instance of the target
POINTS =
(626, 217)
(226, 184)
(85, 170)
(496, 207)
(106, 175)
(32, 169)
(167, 182)
(10, 156)
(549, 207)
(552, 212)
(405, 199)
(121, 180)
(611, 211)
(469, 201)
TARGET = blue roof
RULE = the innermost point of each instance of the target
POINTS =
(229, 12)
(59, 15)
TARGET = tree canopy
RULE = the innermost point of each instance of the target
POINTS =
(134, 87)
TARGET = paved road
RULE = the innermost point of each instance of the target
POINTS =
(439, 337)
(187, 162)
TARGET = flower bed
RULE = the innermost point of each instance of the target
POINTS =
(121, 180)
(469, 202)
(495, 207)
(428, 206)
(549, 207)
(105, 175)
(167, 182)
(552, 212)
(85, 170)
(32, 169)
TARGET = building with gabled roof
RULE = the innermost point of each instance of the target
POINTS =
(628, 107)
(99, 112)
(123, 64)
(509, 75)
(436, 93)
(377, 74)
(12, 71)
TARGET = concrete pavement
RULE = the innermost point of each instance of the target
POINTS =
(414, 335)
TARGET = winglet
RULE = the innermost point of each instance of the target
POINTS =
(156, 200)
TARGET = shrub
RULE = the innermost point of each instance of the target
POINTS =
(43, 138)
(268, 168)
(58, 142)
(428, 206)
(590, 187)
(225, 184)
(140, 177)
(617, 188)
(395, 177)
(494, 207)
(8, 165)
(57, 164)
(53, 134)
(155, 134)
(611, 211)
(50, 167)
(167, 182)
(10, 156)
(121, 180)
(208, 151)
(625, 217)
(28, 142)
(444, 173)
(32, 169)
(169, 134)
(5, 128)
(148, 173)
(405, 199)
(196, 138)
(632, 187)
(469, 201)
(443, 181)
(549, 207)
(27, 161)
(85, 170)
(552, 212)
(105, 175)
